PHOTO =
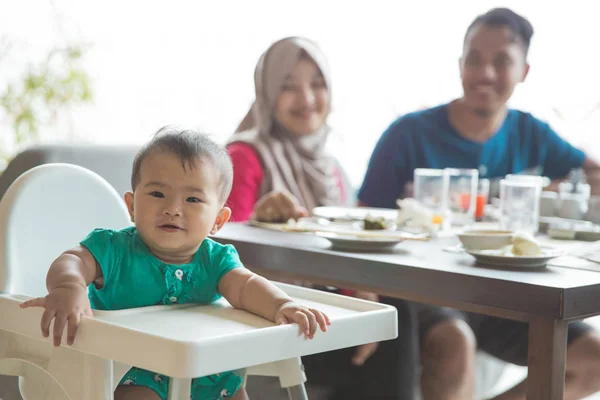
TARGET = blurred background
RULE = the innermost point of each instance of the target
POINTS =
(113, 72)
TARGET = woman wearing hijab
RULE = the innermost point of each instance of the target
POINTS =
(281, 171)
(280, 143)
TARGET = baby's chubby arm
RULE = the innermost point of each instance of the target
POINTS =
(67, 300)
(248, 291)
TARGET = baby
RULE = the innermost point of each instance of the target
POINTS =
(180, 182)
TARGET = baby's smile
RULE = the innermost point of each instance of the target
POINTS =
(170, 227)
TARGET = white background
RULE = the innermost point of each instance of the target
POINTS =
(192, 62)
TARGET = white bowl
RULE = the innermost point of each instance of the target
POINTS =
(485, 239)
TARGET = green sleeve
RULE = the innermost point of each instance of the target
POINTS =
(225, 260)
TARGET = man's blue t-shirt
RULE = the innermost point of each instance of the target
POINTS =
(425, 139)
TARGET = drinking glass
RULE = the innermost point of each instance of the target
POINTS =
(431, 190)
(520, 205)
(462, 194)
(483, 195)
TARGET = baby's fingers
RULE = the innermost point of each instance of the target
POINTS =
(322, 319)
(59, 326)
(301, 319)
(72, 325)
(312, 321)
(37, 302)
(46, 320)
(281, 320)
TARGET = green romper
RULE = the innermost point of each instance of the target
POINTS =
(134, 277)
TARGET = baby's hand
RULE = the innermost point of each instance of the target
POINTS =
(307, 318)
(66, 303)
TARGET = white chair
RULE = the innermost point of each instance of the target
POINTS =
(44, 212)
(49, 209)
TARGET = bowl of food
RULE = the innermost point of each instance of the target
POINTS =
(524, 252)
(486, 239)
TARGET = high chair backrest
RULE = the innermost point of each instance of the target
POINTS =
(47, 210)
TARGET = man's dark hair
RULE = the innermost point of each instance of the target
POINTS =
(188, 146)
(520, 26)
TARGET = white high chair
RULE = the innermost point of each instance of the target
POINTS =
(49, 209)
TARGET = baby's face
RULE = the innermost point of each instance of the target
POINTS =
(175, 208)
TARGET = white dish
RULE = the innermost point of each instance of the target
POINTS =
(354, 213)
(483, 239)
(498, 258)
(354, 243)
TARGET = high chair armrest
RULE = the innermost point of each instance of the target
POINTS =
(184, 341)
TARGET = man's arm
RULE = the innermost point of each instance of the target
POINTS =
(385, 177)
(592, 174)
(561, 157)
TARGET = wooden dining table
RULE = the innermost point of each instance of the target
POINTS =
(548, 298)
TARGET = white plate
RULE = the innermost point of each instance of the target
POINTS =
(354, 213)
(494, 259)
(353, 243)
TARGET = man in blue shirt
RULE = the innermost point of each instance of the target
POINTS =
(517, 143)
(475, 131)
(478, 131)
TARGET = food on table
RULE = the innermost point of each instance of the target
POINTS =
(525, 245)
(374, 223)
(414, 214)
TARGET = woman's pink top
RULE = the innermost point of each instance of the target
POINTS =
(247, 180)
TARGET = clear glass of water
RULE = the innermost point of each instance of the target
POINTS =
(542, 180)
(520, 205)
(573, 200)
(462, 195)
(431, 190)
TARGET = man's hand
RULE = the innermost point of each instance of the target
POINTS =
(593, 178)
(592, 174)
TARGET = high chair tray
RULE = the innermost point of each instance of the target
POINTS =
(176, 340)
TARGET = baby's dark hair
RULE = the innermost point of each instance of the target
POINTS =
(520, 26)
(188, 145)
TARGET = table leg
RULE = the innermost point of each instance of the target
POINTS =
(297, 392)
(547, 359)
